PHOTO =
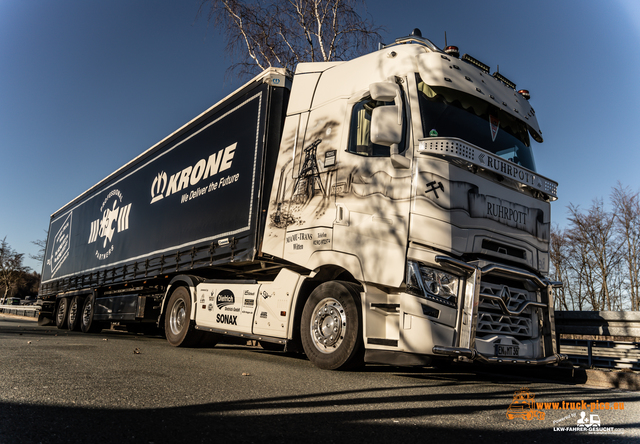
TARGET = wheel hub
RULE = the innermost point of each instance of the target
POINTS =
(178, 317)
(329, 325)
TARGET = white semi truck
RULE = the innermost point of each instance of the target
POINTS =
(384, 209)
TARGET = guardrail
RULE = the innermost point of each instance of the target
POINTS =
(20, 310)
(598, 323)
(600, 353)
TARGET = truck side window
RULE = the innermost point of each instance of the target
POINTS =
(360, 131)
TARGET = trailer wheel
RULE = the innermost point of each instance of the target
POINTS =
(75, 314)
(87, 323)
(62, 313)
(331, 326)
(177, 323)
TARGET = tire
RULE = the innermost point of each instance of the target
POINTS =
(62, 313)
(331, 326)
(178, 327)
(75, 313)
(87, 323)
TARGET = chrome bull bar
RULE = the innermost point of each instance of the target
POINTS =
(469, 317)
(474, 355)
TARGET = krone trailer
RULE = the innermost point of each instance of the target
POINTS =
(384, 209)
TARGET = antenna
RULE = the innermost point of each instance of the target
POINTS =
(445, 39)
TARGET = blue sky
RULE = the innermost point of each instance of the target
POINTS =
(85, 86)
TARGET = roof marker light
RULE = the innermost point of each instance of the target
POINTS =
(452, 51)
(525, 93)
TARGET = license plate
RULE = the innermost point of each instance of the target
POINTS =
(507, 350)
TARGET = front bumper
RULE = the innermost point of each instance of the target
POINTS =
(474, 298)
(474, 355)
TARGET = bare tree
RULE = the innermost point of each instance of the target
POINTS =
(42, 245)
(627, 213)
(594, 239)
(572, 256)
(598, 256)
(283, 33)
(559, 258)
(11, 268)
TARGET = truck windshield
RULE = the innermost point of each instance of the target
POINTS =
(450, 113)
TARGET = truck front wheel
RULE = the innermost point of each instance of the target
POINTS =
(177, 322)
(331, 326)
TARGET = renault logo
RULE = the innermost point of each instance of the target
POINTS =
(505, 295)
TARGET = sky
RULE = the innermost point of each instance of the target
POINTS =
(86, 86)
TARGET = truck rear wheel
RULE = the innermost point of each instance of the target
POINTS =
(62, 313)
(87, 323)
(331, 326)
(177, 322)
(75, 314)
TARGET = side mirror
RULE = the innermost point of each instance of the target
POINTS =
(385, 92)
(385, 129)
(386, 121)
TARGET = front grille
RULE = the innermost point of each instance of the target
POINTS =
(503, 324)
(504, 249)
(493, 320)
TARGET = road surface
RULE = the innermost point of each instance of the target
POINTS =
(114, 387)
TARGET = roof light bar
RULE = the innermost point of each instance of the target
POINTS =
(525, 93)
(504, 80)
(475, 62)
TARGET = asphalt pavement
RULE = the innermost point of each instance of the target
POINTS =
(115, 387)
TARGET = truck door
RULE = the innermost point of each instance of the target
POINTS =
(372, 191)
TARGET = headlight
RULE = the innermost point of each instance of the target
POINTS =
(432, 284)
